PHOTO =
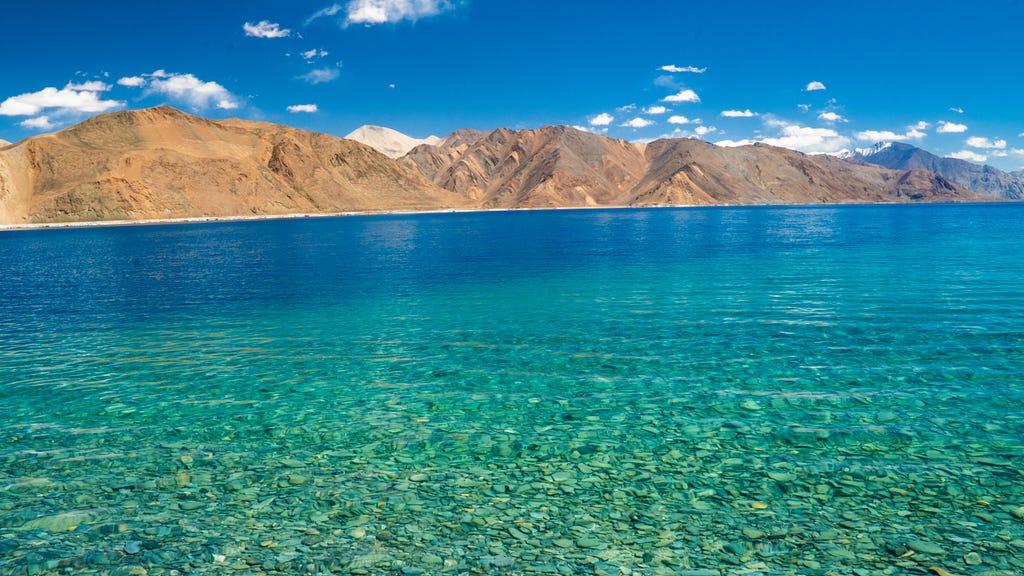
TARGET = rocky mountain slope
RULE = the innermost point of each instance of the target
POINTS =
(558, 166)
(162, 163)
(391, 143)
(981, 179)
(548, 167)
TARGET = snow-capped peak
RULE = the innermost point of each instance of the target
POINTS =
(846, 153)
(391, 143)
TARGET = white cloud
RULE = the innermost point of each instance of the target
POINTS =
(1017, 151)
(802, 138)
(804, 107)
(390, 11)
(321, 75)
(674, 69)
(979, 142)
(265, 29)
(922, 125)
(704, 130)
(813, 86)
(41, 122)
(951, 128)
(738, 113)
(734, 143)
(682, 96)
(626, 108)
(297, 108)
(602, 119)
(637, 123)
(831, 117)
(65, 100)
(913, 133)
(191, 90)
(310, 55)
(678, 120)
(132, 81)
(957, 110)
(969, 155)
(655, 110)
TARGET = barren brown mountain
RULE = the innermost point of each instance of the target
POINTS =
(688, 171)
(560, 166)
(162, 163)
(553, 166)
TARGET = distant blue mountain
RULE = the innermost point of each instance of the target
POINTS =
(979, 179)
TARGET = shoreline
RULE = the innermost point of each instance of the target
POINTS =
(354, 213)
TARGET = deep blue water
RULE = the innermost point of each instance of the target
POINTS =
(852, 374)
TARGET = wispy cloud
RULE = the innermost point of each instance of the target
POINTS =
(677, 69)
(969, 156)
(73, 98)
(957, 110)
(985, 143)
(813, 86)
(738, 113)
(265, 29)
(331, 10)
(686, 95)
(90, 86)
(321, 75)
(831, 117)
(370, 12)
(637, 123)
(951, 128)
(602, 119)
(303, 108)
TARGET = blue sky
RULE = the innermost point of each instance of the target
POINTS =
(813, 76)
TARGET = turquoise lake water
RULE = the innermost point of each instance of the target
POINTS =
(701, 392)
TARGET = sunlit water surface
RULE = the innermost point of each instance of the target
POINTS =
(804, 390)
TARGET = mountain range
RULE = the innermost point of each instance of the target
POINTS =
(161, 163)
(981, 179)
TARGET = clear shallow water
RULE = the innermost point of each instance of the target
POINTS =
(827, 390)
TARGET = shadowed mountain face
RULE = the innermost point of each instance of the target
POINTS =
(162, 163)
(980, 179)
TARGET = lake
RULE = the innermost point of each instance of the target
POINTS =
(701, 392)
